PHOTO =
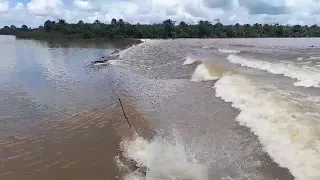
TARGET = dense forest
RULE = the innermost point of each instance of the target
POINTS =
(167, 29)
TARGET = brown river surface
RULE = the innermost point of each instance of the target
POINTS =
(199, 109)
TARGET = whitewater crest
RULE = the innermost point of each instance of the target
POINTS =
(202, 73)
(206, 47)
(229, 51)
(307, 76)
(300, 59)
(207, 72)
(314, 57)
(287, 127)
(190, 60)
(160, 159)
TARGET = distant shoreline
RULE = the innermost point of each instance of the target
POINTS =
(168, 29)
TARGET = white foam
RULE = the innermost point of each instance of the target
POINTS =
(114, 62)
(314, 57)
(134, 176)
(202, 74)
(163, 159)
(300, 59)
(288, 128)
(189, 61)
(144, 40)
(305, 62)
(307, 76)
(228, 51)
(314, 99)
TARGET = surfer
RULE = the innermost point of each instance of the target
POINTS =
(104, 59)
(116, 51)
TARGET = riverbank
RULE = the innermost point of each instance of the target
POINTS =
(167, 29)
(58, 38)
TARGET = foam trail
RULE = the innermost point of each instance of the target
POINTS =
(288, 127)
(162, 159)
(189, 61)
(228, 51)
(306, 76)
(113, 62)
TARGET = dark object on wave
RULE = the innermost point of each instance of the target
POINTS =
(241, 45)
(104, 59)
(312, 46)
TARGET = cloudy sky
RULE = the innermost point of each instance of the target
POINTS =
(35, 12)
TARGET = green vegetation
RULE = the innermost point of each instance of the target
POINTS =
(167, 29)
(12, 30)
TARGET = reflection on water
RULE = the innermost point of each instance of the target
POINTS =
(48, 77)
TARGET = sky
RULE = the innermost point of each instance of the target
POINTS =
(35, 12)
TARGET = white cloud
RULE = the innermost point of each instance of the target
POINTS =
(4, 6)
(84, 5)
(151, 11)
(45, 7)
(19, 6)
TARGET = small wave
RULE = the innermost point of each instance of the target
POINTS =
(287, 128)
(314, 57)
(305, 62)
(102, 63)
(207, 72)
(161, 159)
(313, 99)
(299, 58)
(228, 51)
(189, 61)
(307, 77)
(206, 47)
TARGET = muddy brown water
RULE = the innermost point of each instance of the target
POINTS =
(58, 120)
(80, 146)
(60, 117)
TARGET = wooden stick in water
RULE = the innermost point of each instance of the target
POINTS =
(124, 113)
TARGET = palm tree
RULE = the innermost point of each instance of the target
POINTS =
(113, 21)
(80, 22)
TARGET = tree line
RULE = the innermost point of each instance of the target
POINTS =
(12, 30)
(166, 29)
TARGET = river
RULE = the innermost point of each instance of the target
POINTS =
(199, 109)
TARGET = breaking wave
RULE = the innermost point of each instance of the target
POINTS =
(228, 51)
(160, 159)
(287, 127)
(190, 60)
(306, 76)
(207, 72)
